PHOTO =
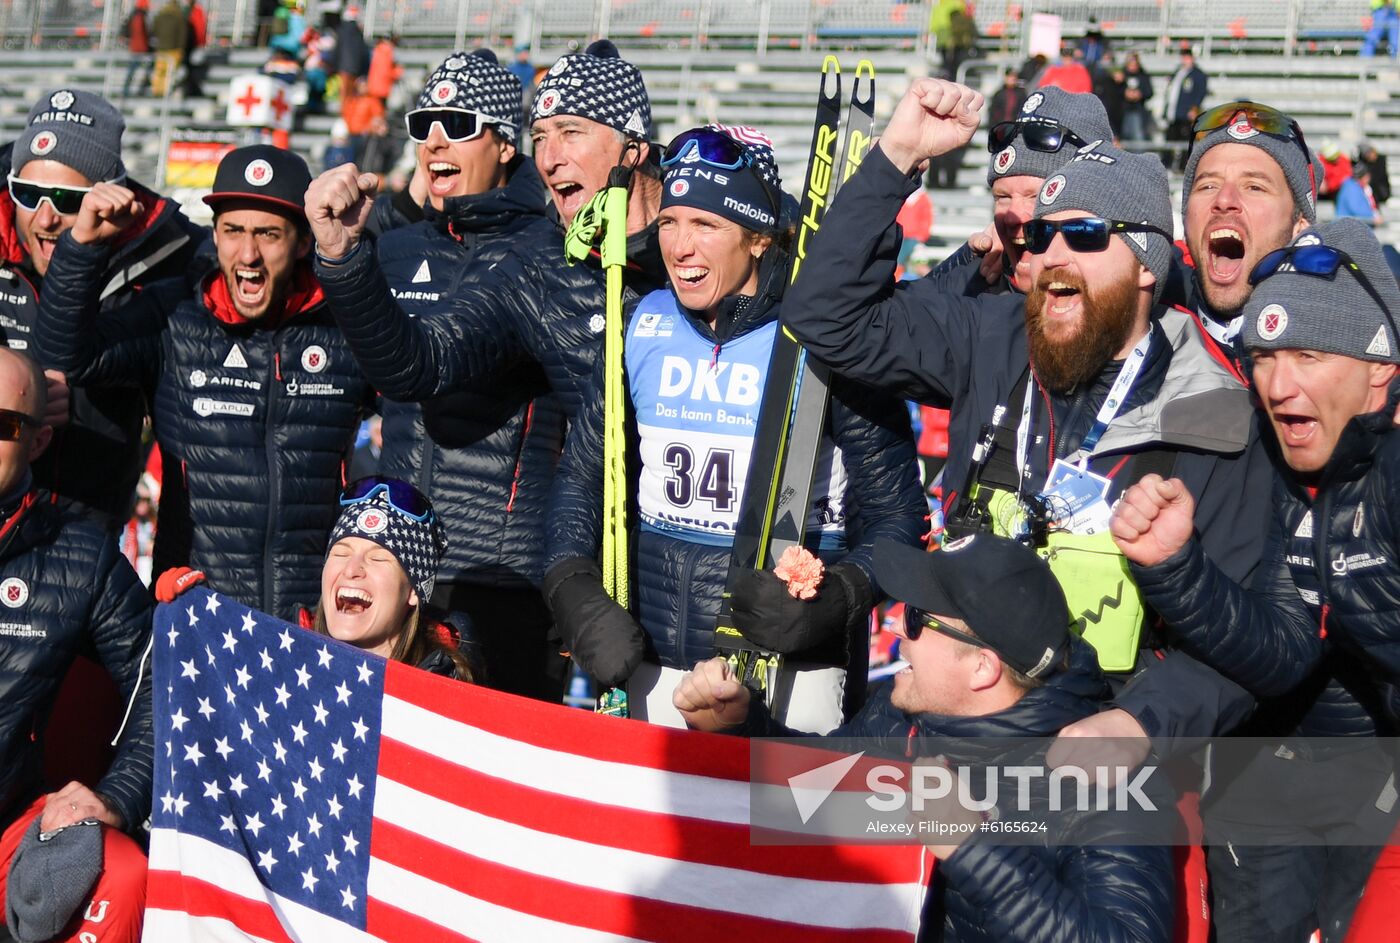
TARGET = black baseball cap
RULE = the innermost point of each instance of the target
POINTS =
(263, 173)
(1004, 592)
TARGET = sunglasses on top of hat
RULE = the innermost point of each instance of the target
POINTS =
(1320, 262)
(1261, 118)
(1086, 234)
(402, 496)
(458, 124)
(713, 147)
(30, 195)
(1039, 134)
(13, 423)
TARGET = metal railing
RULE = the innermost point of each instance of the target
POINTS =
(1286, 26)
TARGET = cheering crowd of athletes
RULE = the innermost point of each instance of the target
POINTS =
(1202, 438)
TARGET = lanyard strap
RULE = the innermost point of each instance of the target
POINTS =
(1117, 396)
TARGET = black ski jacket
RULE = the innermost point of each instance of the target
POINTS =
(65, 590)
(486, 453)
(255, 420)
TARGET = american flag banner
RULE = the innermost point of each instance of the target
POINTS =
(305, 790)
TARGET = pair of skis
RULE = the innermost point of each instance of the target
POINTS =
(792, 415)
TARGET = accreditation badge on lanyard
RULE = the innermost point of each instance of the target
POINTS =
(1076, 498)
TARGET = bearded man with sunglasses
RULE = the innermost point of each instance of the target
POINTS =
(71, 141)
(254, 395)
(1321, 331)
(1060, 399)
(485, 454)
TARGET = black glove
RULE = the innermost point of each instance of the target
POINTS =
(768, 615)
(602, 636)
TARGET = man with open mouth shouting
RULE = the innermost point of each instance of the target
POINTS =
(254, 396)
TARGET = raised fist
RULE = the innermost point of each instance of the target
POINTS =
(1153, 520)
(933, 118)
(338, 205)
(106, 210)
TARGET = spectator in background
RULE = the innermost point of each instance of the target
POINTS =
(1030, 71)
(384, 71)
(1137, 91)
(1111, 86)
(341, 149)
(1336, 170)
(1006, 103)
(1375, 161)
(1354, 197)
(288, 26)
(954, 33)
(351, 54)
(168, 33)
(137, 31)
(1066, 73)
(523, 70)
(267, 15)
(1384, 22)
(196, 49)
(1093, 47)
(1186, 92)
(365, 459)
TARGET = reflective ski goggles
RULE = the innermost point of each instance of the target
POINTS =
(30, 195)
(1086, 234)
(1039, 134)
(1320, 262)
(457, 124)
(13, 424)
(1261, 118)
(402, 496)
(713, 147)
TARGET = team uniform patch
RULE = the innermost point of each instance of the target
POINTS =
(548, 103)
(1272, 322)
(444, 91)
(372, 521)
(258, 173)
(313, 359)
(1004, 160)
(61, 100)
(1241, 129)
(43, 142)
(1032, 103)
(597, 323)
(14, 592)
(1052, 189)
(198, 378)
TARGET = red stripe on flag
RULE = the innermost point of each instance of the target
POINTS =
(665, 836)
(170, 890)
(604, 911)
(567, 730)
(388, 922)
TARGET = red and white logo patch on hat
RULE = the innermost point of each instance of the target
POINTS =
(14, 592)
(1004, 159)
(372, 521)
(258, 173)
(1241, 130)
(1052, 189)
(444, 91)
(1272, 322)
(680, 187)
(43, 142)
(548, 102)
(313, 359)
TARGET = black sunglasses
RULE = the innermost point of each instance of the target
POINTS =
(1320, 262)
(457, 124)
(402, 496)
(65, 200)
(713, 147)
(13, 423)
(916, 620)
(1261, 118)
(1086, 234)
(1039, 134)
